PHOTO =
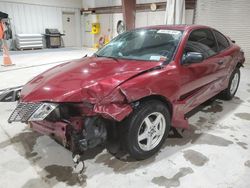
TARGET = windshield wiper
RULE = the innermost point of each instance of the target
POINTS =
(96, 55)
(114, 58)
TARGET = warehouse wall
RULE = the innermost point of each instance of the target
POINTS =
(34, 18)
(103, 3)
(157, 18)
(228, 16)
(109, 22)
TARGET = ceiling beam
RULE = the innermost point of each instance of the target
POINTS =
(161, 6)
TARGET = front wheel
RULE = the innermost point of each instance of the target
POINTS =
(233, 85)
(146, 129)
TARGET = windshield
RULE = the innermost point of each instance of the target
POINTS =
(143, 44)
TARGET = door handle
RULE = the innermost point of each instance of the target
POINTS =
(220, 62)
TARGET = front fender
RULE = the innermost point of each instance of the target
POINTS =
(157, 82)
(114, 106)
(114, 111)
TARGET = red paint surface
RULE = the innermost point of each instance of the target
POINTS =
(55, 129)
(112, 85)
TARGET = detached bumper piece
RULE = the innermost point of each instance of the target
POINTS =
(23, 112)
(10, 94)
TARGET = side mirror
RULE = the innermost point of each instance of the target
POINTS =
(192, 57)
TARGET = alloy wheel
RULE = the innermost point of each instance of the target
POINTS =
(151, 131)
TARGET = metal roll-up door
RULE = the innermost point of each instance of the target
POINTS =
(230, 17)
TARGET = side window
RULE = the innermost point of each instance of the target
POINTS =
(222, 41)
(202, 41)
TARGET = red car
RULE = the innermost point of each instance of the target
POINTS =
(133, 90)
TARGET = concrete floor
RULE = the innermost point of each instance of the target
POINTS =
(213, 153)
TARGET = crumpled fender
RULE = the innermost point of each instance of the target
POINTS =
(117, 104)
(114, 106)
(114, 110)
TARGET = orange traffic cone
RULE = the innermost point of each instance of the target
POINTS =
(6, 57)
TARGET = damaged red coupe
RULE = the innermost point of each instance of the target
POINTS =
(133, 90)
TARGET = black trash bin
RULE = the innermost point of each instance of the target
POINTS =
(53, 38)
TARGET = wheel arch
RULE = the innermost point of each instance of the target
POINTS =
(159, 98)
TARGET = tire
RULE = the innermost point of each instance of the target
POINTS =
(113, 142)
(233, 85)
(142, 121)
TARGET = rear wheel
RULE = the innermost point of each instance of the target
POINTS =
(233, 85)
(146, 129)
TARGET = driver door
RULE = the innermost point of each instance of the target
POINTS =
(199, 80)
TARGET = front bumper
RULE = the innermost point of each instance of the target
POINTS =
(75, 131)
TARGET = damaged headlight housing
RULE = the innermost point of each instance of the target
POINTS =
(43, 111)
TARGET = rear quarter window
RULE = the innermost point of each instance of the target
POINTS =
(222, 41)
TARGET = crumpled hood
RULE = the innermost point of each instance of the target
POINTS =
(87, 79)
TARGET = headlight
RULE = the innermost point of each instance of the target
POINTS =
(43, 111)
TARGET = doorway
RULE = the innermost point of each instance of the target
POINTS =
(69, 29)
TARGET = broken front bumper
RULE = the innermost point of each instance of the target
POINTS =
(10, 94)
(56, 130)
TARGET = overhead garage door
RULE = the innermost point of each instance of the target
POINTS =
(228, 16)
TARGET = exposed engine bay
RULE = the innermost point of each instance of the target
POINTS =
(66, 123)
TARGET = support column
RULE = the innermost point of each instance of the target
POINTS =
(128, 10)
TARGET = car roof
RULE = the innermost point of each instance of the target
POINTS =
(181, 27)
